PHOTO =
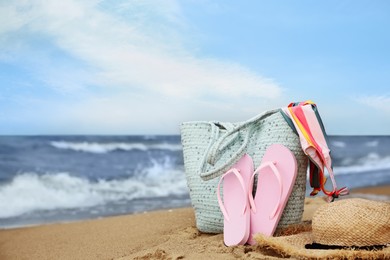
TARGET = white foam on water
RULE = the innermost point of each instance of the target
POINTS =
(28, 192)
(338, 144)
(93, 147)
(372, 143)
(372, 162)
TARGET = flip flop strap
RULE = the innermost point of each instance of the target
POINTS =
(240, 179)
(275, 171)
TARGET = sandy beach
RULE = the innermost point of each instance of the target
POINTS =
(166, 234)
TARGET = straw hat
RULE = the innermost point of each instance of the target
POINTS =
(352, 222)
(347, 229)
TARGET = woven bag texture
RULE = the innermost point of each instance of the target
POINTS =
(352, 222)
(198, 137)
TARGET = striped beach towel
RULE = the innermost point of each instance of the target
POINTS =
(304, 118)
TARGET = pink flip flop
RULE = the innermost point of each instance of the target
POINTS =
(235, 206)
(276, 177)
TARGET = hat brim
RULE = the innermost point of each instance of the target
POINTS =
(294, 246)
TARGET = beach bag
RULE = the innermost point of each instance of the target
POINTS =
(211, 148)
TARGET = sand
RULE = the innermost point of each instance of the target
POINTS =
(167, 234)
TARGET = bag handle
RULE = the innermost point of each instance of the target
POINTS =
(218, 144)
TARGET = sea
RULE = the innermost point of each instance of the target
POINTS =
(50, 179)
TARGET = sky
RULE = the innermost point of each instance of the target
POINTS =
(143, 67)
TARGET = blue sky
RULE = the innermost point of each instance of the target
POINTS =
(142, 67)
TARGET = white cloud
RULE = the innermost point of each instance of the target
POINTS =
(133, 54)
(125, 56)
(379, 102)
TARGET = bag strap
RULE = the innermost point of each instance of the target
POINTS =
(219, 143)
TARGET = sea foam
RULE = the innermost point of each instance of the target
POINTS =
(28, 192)
(94, 147)
(369, 163)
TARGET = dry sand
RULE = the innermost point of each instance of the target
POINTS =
(168, 234)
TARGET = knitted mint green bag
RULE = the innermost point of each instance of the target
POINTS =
(211, 148)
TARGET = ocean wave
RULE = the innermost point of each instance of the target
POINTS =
(338, 144)
(373, 143)
(30, 192)
(371, 162)
(92, 147)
